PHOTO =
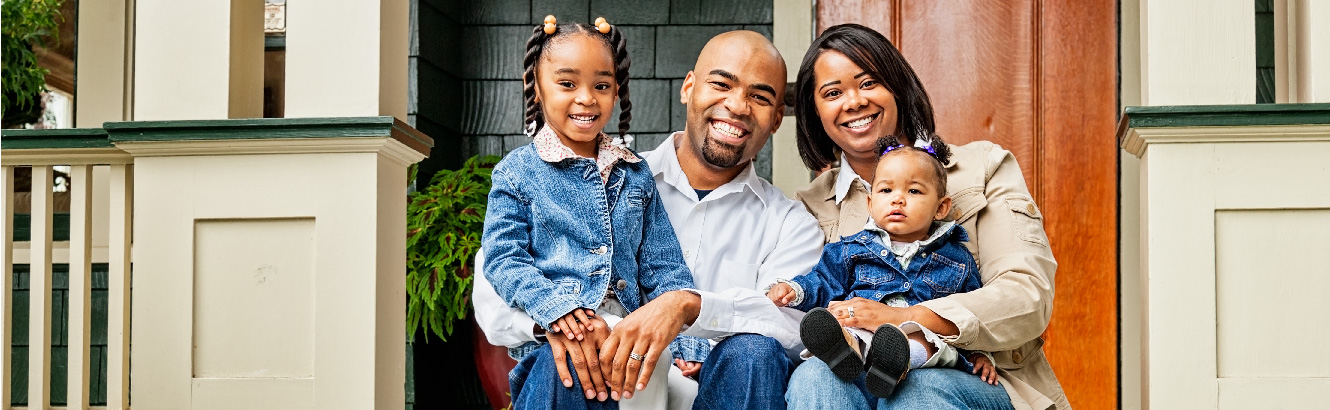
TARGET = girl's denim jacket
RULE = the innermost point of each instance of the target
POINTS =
(861, 266)
(557, 238)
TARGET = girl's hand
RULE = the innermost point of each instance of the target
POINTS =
(690, 369)
(574, 324)
(782, 294)
(984, 368)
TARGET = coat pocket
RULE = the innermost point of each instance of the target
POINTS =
(1026, 220)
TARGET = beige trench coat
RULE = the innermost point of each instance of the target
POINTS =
(1007, 315)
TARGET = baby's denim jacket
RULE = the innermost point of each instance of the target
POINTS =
(556, 238)
(861, 266)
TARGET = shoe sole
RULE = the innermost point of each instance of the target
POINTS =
(888, 360)
(823, 336)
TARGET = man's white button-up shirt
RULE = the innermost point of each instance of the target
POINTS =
(737, 241)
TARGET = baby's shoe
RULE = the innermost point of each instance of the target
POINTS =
(824, 337)
(888, 360)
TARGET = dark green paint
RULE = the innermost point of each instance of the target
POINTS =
(59, 227)
(269, 128)
(58, 138)
(1225, 115)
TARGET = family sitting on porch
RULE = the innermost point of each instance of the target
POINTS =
(604, 305)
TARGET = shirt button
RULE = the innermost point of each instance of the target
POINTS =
(621, 284)
(1016, 357)
(1030, 207)
(687, 254)
(885, 253)
(714, 324)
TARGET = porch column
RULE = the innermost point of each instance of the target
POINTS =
(269, 260)
(1189, 59)
(347, 58)
(198, 59)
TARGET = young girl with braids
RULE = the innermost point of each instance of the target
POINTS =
(575, 227)
(906, 254)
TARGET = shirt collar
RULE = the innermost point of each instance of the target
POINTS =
(551, 149)
(664, 164)
(845, 180)
(938, 229)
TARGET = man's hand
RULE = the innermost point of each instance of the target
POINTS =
(984, 368)
(690, 369)
(782, 294)
(583, 353)
(638, 341)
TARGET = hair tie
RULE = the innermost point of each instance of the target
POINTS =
(602, 26)
(550, 24)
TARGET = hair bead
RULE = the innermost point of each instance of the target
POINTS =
(602, 26)
(550, 24)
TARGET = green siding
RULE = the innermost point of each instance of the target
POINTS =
(59, 334)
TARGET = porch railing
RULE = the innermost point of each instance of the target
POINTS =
(80, 151)
(97, 167)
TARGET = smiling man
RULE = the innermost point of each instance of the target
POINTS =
(739, 236)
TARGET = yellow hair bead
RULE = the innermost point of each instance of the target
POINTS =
(603, 27)
(599, 21)
(550, 24)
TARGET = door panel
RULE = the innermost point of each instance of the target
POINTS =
(1039, 78)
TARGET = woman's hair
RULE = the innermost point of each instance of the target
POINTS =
(869, 50)
(540, 41)
(936, 150)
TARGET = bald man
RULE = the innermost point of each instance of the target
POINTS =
(739, 235)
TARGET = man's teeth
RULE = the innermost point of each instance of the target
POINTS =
(861, 122)
(727, 129)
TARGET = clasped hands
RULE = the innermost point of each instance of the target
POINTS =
(630, 350)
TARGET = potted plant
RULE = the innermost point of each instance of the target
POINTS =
(444, 224)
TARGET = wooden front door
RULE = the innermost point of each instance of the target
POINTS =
(1040, 79)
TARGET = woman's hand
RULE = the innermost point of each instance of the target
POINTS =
(638, 341)
(869, 314)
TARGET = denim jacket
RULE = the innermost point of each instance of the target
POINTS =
(556, 238)
(859, 265)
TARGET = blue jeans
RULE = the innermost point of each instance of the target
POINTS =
(744, 371)
(534, 384)
(814, 386)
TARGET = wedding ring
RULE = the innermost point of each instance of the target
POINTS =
(851, 310)
(635, 356)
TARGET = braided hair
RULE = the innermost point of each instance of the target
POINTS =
(535, 49)
(934, 148)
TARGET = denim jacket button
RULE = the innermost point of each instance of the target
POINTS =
(884, 253)
(621, 284)
(599, 251)
(907, 285)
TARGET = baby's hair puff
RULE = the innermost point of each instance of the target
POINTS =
(932, 146)
(551, 31)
